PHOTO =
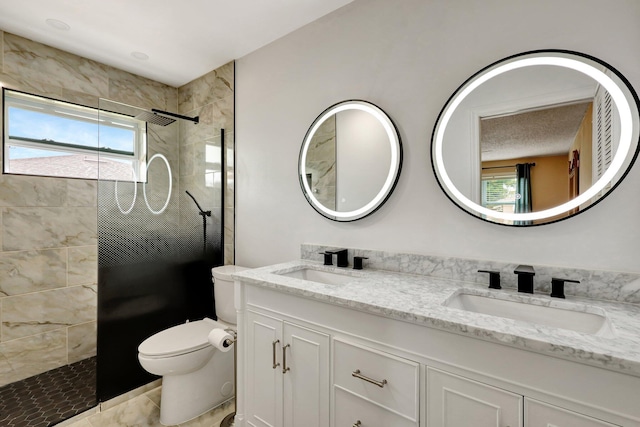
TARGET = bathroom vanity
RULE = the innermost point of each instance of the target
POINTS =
(326, 346)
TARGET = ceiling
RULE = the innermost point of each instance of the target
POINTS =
(183, 39)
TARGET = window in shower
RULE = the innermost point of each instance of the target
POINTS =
(47, 137)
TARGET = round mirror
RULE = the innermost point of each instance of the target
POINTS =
(350, 160)
(536, 138)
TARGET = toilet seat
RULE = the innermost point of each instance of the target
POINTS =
(180, 339)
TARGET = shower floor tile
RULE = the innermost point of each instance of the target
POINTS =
(49, 398)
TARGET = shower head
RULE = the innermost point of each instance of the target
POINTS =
(154, 118)
(157, 117)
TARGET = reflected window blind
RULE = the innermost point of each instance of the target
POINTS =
(603, 132)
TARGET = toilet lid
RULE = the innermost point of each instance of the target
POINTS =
(180, 339)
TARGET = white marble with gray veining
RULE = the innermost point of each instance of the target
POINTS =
(420, 299)
(594, 284)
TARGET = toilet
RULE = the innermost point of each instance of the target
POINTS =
(196, 376)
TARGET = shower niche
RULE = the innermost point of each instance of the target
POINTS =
(160, 231)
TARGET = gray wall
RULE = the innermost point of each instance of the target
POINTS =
(408, 57)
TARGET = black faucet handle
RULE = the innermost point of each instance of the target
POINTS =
(328, 257)
(357, 262)
(557, 286)
(524, 269)
(494, 278)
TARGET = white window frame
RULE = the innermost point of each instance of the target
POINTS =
(494, 176)
(26, 101)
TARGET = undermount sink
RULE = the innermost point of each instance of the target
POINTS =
(320, 276)
(578, 318)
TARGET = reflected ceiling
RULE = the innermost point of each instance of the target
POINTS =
(543, 132)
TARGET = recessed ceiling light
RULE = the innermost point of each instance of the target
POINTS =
(140, 55)
(58, 25)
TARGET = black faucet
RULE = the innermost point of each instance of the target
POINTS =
(494, 278)
(525, 278)
(343, 257)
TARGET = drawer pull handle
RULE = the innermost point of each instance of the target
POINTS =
(357, 424)
(284, 359)
(357, 374)
(275, 365)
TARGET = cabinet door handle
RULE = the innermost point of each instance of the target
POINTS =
(357, 424)
(285, 368)
(273, 344)
(357, 374)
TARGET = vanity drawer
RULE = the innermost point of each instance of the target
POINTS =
(354, 364)
(349, 409)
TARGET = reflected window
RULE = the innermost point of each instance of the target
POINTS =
(499, 192)
(213, 168)
(46, 137)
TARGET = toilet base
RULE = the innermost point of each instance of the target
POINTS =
(188, 396)
(228, 420)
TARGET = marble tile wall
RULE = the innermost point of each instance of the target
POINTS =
(211, 98)
(595, 284)
(321, 163)
(48, 226)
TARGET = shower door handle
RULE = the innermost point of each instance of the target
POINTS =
(273, 344)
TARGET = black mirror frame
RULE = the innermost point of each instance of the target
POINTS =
(618, 74)
(397, 173)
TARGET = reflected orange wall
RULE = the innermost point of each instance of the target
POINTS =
(549, 179)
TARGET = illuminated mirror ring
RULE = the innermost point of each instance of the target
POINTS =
(144, 186)
(391, 175)
(135, 194)
(623, 96)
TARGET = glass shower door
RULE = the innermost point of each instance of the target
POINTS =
(160, 232)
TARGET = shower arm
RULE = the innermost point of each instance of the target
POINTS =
(202, 212)
(195, 120)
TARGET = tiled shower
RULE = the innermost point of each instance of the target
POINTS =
(49, 226)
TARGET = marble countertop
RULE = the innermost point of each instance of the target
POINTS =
(422, 300)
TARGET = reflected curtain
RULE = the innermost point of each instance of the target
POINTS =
(523, 190)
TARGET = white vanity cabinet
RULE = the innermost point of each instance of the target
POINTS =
(454, 401)
(289, 370)
(350, 367)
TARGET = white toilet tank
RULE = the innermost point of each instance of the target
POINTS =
(223, 291)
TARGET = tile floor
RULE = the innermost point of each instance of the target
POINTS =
(48, 398)
(65, 397)
(141, 411)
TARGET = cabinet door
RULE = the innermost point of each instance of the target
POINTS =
(454, 401)
(540, 414)
(306, 377)
(264, 370)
